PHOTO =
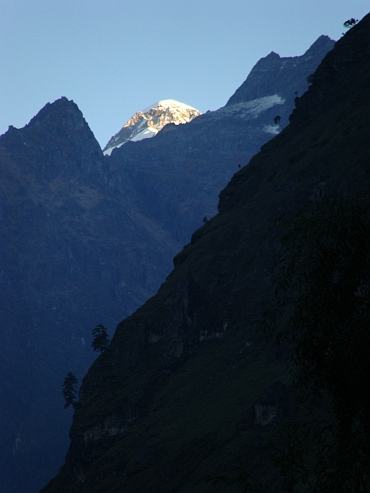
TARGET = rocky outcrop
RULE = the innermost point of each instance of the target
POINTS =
(268, 410)
(284, 76)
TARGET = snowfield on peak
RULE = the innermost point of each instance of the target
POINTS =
(148, 122)
(167, 103)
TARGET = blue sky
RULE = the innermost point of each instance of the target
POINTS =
(115, 57)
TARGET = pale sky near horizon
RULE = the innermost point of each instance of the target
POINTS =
(115, 57)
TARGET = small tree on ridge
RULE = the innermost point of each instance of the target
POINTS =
(70, 390)
(101, 338)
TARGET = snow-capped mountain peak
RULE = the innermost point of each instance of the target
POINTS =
(148, 122)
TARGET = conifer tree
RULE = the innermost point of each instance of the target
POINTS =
(101, 338)
(70, 390)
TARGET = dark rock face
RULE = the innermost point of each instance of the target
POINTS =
(285, 76)
(68, 247)
(86, 239)
(159, 412)
(268, 410)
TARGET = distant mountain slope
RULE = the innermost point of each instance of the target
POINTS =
(68, 245)
(86, 239)
(177, 175)
(148, 122)
(185, 389)
(263, 79)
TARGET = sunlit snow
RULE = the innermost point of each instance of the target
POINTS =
(148, 122)
(169, 102)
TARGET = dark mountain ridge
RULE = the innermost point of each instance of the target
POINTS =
(263, 80)
(86, 239)
(181, 393)
(62, 230)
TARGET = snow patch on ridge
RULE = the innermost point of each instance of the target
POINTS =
(250, 109)
(272, 129)
(108, 151)
(145, 134)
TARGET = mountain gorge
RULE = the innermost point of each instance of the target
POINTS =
(88, 238)
(187, 387)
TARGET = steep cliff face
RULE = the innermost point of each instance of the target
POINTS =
(68, 244)
(185, 388)
(285, 76)
(44, 170)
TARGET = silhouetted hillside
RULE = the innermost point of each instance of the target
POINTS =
(186, 387)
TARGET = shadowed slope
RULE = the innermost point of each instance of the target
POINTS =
(162, 408)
